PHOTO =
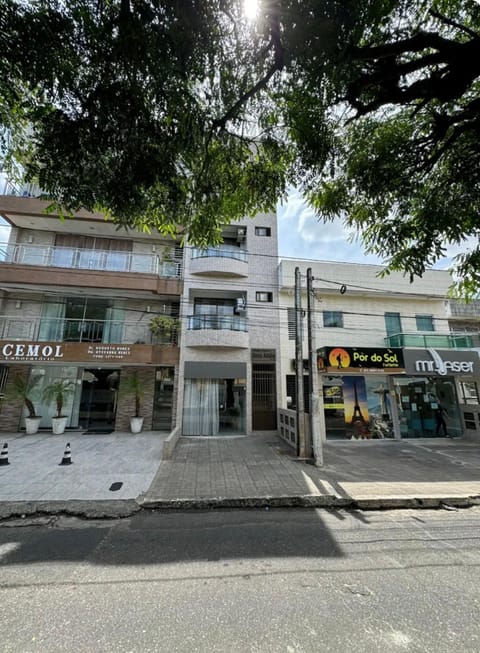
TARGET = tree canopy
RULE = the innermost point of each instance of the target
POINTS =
(186, 113)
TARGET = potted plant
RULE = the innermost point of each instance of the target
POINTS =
(134, 386)
(58, 391)
(164, 327)
(24, 389)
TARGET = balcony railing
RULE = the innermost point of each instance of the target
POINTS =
(88, 259)
(69, 330)
(217, 322)
(436, 340)
(222, 251)
(462, 309)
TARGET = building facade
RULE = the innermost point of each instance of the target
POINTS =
(229, 358)
(77, 297)
(388, 363)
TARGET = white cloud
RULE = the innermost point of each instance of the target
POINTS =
(302, 235)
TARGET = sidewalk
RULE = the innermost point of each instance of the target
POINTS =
(118, 474)
(261, 470)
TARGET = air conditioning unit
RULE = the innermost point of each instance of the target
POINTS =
(241, 233)
(240, 306)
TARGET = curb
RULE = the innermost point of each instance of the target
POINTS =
(312, 501)
(122, 508)
(108, 509)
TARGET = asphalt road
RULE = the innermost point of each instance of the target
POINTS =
(290, 581)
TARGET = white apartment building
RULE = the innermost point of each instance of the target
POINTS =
(388, 363)
(230, 348)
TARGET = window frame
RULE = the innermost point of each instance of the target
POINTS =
(427, 319)
(259, 293)
(332, 319)
(267, 230)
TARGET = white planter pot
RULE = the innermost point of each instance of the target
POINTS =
(136, 424)
(59, 425)
(32, 424)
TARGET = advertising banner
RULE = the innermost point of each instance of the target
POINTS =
(374, 358)
(441, 362)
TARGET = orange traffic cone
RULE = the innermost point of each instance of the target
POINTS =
(67, 456)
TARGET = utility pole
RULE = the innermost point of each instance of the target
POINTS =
(314, 415)
(300, 410)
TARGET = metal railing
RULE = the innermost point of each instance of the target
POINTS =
(217, 322)
(222, 251)
(48, 329)
(462, 309)
(74, 258)
(424, 340)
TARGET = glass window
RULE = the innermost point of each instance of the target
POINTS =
(469, 392)
(427, 407)
(333, 319)
(214, 407)
(424, 322)
(264, 296)
(263, 231)
(393, 324)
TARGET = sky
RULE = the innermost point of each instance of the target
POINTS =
(302, 235)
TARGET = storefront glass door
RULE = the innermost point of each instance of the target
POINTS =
(427, 407)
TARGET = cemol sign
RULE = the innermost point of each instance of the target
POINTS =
(30, 351)
(441, 362)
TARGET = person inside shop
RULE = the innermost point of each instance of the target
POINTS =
(440, 415)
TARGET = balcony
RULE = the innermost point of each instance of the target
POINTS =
(224, 260)
(217, 331)
(70, 330)
(464, 310)
(88, 259)
(426, 340)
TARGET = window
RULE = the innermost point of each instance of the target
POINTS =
(263, 231)
(469, 392)
(393, 324)
(264, 296)
(333, 319)
(424, 322)
(3, 379)
(292, 327)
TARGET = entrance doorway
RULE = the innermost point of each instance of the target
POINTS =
(163, 401)
(98, 401)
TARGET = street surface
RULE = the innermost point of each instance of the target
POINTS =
(266, 581)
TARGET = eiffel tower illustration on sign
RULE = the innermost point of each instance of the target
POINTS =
(357, 413)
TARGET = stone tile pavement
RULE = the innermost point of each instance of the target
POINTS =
(258, 470)
(236, 471)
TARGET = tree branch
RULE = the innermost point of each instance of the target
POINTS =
(453, 23)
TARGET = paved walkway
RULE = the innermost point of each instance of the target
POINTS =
(235, 470)
(117, 474)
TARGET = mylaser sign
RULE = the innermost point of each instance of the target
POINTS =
(368, 357)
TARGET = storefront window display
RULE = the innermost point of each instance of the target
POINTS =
(427, 407)
(214, 407)
(357, 407)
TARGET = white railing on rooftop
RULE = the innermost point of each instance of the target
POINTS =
(89, 259)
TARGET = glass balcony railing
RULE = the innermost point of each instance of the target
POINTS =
(217, 322)
(435, 340)
(87, 259)
(69, 330)
(222, 251)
